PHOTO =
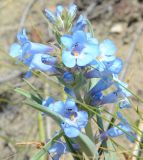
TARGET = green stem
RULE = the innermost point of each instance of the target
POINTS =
(101, 129)
(88, 130)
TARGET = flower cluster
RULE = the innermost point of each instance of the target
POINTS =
(79, 60)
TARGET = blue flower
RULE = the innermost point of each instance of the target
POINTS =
(57, 150)
(78, 49)
(48, 101)
(70, 92)
(74, 120)
(122, 128)
(106, 69)
(107, 50)
(33, 54)
(56, 16)
(116, 96)
(121, 86)
(68, 77)
(80, 24)
(73, 126)
(100, 99)
(37, 63)
(27, 47)
(124, 103)
(57, 107)
(101, 85)
(70, 108)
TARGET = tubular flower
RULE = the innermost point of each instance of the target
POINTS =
(74, 120)
(122, 128)
(78, 49)
(33, 54)
(73, 126)
(27, 47)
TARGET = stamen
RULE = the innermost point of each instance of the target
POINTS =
(72, 117)
(76, 53)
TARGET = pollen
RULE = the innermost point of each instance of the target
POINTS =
(76, 53)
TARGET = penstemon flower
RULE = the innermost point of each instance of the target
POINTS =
(79, 60)
(79, 50)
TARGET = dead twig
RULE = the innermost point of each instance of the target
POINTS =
(25, 13)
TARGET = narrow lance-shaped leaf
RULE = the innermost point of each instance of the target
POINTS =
(87, 146)
(29, 95)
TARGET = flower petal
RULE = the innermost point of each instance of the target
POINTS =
(108, 50)
(91, 49)
(68, 59)
(110, 98)
(68, 77)
(80, 24)
(82, 119)
(57, 107)
(116, 66)
(83, 60)
(70, 129)
(48, 101)
(15, 50)
(107, 47)
(101, 85)
(67, 41)
(36, 63)
(79, 37)
(47, 59)
(22, 36)
(70, 107)
(40, 48)
(124, 104)
(70, 92)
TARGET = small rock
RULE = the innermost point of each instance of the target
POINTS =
(117, 28)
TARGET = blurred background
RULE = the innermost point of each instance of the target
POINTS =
(119, 20)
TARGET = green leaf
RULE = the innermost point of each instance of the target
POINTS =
(58, 118)
(87, 146)
(28, 95)
(33, 88)
(88, 130)
(44, 150)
